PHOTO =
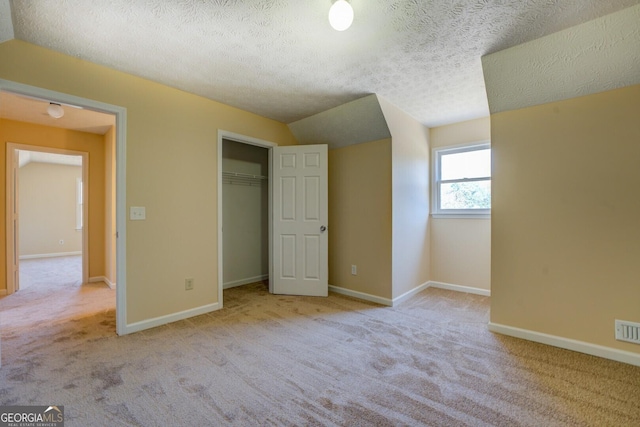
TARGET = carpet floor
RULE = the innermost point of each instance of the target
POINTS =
(51, 291)
(271, 360)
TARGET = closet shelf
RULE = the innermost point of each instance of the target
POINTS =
(237, 178)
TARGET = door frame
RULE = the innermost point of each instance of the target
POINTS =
(120, 114)
(243, 139)
(12, 240)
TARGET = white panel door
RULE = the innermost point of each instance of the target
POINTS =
(300, 236)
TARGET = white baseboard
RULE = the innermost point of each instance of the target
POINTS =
(568, 344)
(102, 279)
(459, 288)
(361, 295)
(246, 281)
(410, 293)
(174, 317)
(52, 255)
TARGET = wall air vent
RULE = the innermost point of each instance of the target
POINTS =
(628, 331)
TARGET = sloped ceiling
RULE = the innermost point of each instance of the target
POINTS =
(599, 55)
(282, 60)
(6, 25)
(357, 121)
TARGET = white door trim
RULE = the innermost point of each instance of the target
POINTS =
(121, 171)
(243, 139)
(11, 194)
(11, 225)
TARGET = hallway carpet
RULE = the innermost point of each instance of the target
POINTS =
(51, 291)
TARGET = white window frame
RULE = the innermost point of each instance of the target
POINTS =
(455, 213)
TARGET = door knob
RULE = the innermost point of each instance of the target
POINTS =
(323, 228)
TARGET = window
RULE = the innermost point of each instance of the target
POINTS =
(462, 181)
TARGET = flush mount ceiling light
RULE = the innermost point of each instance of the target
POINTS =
(341, 15)
(55, 110)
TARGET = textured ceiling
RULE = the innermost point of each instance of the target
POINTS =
(599, 55)
(357, 121)
(282, 60)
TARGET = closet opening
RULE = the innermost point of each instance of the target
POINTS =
(245, 214)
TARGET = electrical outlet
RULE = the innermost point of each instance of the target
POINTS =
(354, 270)
(137, 213)
(188, 284)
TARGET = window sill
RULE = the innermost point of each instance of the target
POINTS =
(460, 216)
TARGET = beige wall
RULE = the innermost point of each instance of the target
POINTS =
(47, 196)
(565, 234)
(171, 170)
(245, 215)
(410, 199)
(44, 136)
(360, 217)
(461, 248)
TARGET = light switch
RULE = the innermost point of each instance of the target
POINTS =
(137, 213)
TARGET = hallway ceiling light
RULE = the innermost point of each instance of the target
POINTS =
(55, 110)
(341, 15)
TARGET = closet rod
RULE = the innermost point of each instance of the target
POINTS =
(242, 175)
(236, 178)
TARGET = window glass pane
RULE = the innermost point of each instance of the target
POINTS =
(466, 195)
(468, 164)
